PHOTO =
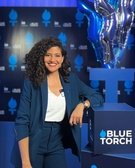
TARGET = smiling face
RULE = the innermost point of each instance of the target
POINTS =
(53, 59)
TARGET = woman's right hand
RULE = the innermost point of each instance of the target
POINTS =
(27, 166)
(24, 151)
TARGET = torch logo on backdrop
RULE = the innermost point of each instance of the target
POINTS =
(63, 38)
(13, 15)
(13, 61)
(46, 16)
(116, 137)
(12, 104)
(78, 62)
(128, 87)
(29, 38)
(79, 18)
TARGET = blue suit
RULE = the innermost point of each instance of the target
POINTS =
(32, 111)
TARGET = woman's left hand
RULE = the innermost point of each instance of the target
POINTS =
(77, 115)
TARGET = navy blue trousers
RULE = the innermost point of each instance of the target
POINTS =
(51, 153)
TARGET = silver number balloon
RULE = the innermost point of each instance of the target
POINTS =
(108, 31)
(109, 25)
(125, 20)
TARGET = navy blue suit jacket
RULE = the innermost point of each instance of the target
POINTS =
(32, 111)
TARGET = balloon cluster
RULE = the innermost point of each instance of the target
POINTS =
(109, 25)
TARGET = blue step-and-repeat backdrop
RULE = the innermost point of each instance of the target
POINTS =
(21, 27)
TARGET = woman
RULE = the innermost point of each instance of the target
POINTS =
(51, 107)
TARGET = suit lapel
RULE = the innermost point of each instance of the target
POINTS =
(67, 92)
(44, 98)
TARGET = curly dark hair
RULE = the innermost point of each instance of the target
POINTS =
(34, 61)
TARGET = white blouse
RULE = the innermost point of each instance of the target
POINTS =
(56, 107)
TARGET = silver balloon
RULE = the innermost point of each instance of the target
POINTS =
(107, 34)
(109, 25)
(125, 20)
